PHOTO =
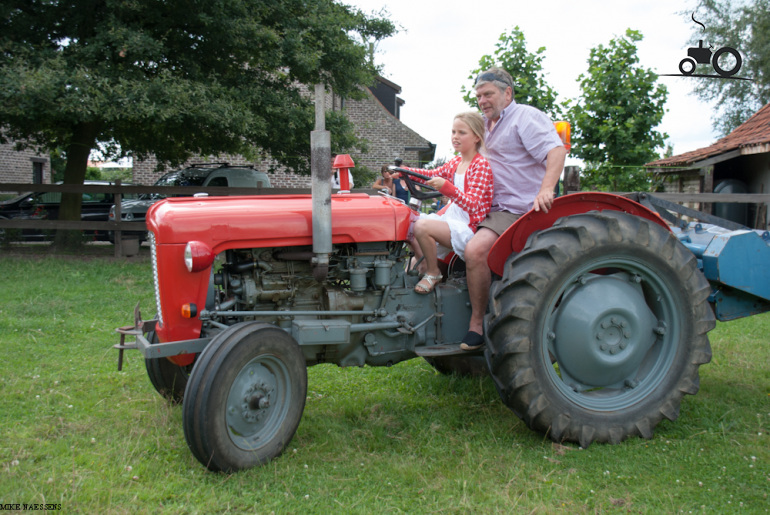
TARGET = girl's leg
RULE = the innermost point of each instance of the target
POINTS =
(427, 233)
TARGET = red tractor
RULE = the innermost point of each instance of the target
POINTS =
(596, 328)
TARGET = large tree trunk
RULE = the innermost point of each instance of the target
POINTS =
(83, 140)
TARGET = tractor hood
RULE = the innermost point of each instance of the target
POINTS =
(274, 220)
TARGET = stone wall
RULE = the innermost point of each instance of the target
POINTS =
(387, 139)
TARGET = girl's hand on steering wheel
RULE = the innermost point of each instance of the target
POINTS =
(437, 182)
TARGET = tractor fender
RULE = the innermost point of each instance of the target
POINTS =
(515, 237)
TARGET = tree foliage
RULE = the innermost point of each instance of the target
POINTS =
(615, 117)
(745, 27)
(176, 78)
(526, 68)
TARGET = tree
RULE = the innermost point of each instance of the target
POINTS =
(176, 78)
(526, 68)
(615, 116)
(746, 28)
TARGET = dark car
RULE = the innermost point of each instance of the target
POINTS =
(95, 207)
(209, 174)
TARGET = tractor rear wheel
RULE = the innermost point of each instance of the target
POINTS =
(598, 327)
(169, 379)
(245, 397)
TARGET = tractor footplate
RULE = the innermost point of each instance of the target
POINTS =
(450, 349)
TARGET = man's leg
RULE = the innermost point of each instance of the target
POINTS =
(478, 275)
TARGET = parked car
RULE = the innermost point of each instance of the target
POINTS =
(95, 207)
(209, 174)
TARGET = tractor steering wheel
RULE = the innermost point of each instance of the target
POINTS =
(412, 186)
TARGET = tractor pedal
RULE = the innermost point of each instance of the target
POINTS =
(450, 349)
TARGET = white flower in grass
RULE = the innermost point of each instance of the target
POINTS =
(15, 463)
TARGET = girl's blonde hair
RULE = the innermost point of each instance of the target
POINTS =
(476, 123)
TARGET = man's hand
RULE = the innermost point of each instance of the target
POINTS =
(554, 164)
(543, 200)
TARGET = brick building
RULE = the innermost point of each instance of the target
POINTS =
(23, 166)
(377, 120)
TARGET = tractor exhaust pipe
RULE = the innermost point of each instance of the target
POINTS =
(321, 188)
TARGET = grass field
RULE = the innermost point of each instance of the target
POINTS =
(76, 432)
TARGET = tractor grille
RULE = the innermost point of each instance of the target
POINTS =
(155, 277)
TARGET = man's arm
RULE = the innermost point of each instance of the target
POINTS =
(554, 165)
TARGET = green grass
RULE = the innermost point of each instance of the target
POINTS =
(77, 432)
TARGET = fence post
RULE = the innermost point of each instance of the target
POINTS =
(117, 234)
(571, 179)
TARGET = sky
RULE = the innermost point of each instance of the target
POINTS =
(441, 41)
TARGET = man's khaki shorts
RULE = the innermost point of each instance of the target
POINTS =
(499, 221)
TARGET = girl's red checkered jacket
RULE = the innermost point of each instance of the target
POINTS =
(479, 187)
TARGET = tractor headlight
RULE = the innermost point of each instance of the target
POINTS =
(198, 256)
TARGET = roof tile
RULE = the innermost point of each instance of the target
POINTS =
(753, 132)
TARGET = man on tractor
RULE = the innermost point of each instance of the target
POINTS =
(527, 158)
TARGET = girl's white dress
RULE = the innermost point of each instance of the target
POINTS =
(458, 221)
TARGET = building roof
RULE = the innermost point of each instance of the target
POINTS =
(751, 137)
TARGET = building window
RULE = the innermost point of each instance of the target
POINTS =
(37, 172)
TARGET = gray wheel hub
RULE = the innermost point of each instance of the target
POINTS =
(256, 401)
(255, 406)
(601, 332)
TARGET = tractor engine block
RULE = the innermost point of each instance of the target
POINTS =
(282, 278)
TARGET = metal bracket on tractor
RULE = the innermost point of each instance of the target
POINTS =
(149, 349)
(137, 331)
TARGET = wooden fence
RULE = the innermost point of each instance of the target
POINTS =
(118, 226)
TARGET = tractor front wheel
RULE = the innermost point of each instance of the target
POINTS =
(245, 397)
(598, 327)
(168, 378)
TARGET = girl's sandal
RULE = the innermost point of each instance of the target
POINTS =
(427, 284)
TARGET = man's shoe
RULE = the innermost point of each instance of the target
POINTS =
(472, 341)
